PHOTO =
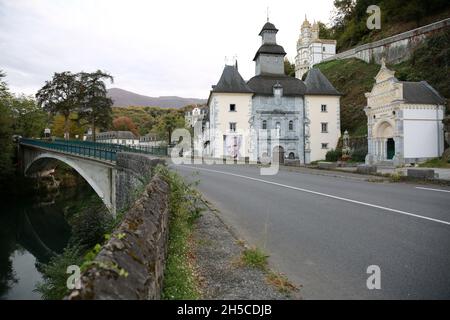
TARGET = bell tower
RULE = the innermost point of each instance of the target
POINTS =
(269, 58)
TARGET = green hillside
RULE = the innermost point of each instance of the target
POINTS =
(348, 24)
(353, 77)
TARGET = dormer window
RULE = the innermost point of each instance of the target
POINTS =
(277, 90)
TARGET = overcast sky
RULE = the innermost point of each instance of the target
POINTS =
(155, 48)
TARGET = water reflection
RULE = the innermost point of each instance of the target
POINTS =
(31, 232)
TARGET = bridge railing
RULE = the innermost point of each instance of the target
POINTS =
(153, 150)
(102, 153)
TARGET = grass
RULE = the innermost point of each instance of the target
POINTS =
(180, 281)
(435, 163)
(254, 258)
(280, 282)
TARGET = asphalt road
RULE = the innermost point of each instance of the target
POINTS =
(324, 232)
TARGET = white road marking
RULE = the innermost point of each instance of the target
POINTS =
(322, 194)
(431, 189)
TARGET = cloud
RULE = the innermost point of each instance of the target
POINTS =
(150, 47)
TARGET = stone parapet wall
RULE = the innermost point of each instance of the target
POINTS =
(133, 170)
(131, 265)
(396, 48)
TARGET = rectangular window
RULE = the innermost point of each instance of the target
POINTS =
(233, 126)
(324, 145)
(323, 108)
(324, 127)
(323, 49)
(232, 107)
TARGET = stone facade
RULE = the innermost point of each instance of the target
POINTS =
(131, 265)
(285, 114)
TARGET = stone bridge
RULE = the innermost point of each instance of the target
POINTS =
(113, 171)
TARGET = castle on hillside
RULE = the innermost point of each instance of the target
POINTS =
(311, 49)
(242, 115)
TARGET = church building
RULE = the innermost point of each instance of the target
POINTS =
(311, 49)
(404, 121)
(240, 110)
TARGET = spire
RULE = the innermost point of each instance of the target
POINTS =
(306, 23)
(267, 14)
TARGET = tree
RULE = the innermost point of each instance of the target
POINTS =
(324, 31)
(168, 123)
(289, 68)
(94, 105)
(6, 145)
(125, 124)
(60, 96)
(29, 120)
(74, 128)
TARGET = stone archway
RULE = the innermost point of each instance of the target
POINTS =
(385, 148)
(278, 154)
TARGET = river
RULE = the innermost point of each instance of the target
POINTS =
(31, 232)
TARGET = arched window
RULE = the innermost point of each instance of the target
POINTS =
(291, 155)
(264, 124)
(291, 125)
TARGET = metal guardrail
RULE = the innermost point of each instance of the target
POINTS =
(102, 151)
(79, 149)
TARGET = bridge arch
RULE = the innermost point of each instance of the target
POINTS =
(99, 177)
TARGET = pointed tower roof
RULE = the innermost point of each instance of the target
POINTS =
(318, 84)
(231, 81)
(306, 23)
(269, 48)
(268, 27)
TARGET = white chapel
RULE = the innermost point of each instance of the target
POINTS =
(404, 120)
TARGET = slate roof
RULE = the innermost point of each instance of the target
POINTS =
(263, 85)
(268, 26)
(231, 81)
(115, 135)
(317, 84)
(270, 49)
(421, 93)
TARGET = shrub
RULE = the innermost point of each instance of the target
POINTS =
(359, 155)
(333, 155)
(54, 274)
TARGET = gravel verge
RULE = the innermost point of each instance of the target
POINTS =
(217, 252)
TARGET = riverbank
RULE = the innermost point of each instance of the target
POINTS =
(35, 226)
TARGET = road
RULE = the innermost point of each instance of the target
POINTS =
(323, 232)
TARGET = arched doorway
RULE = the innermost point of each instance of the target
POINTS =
(385, 139)
(278, 154)
(390, 146)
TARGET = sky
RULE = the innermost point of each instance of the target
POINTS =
(154, 48)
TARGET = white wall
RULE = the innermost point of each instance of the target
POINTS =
(316, 117)
(220, 117)
(421, 131)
